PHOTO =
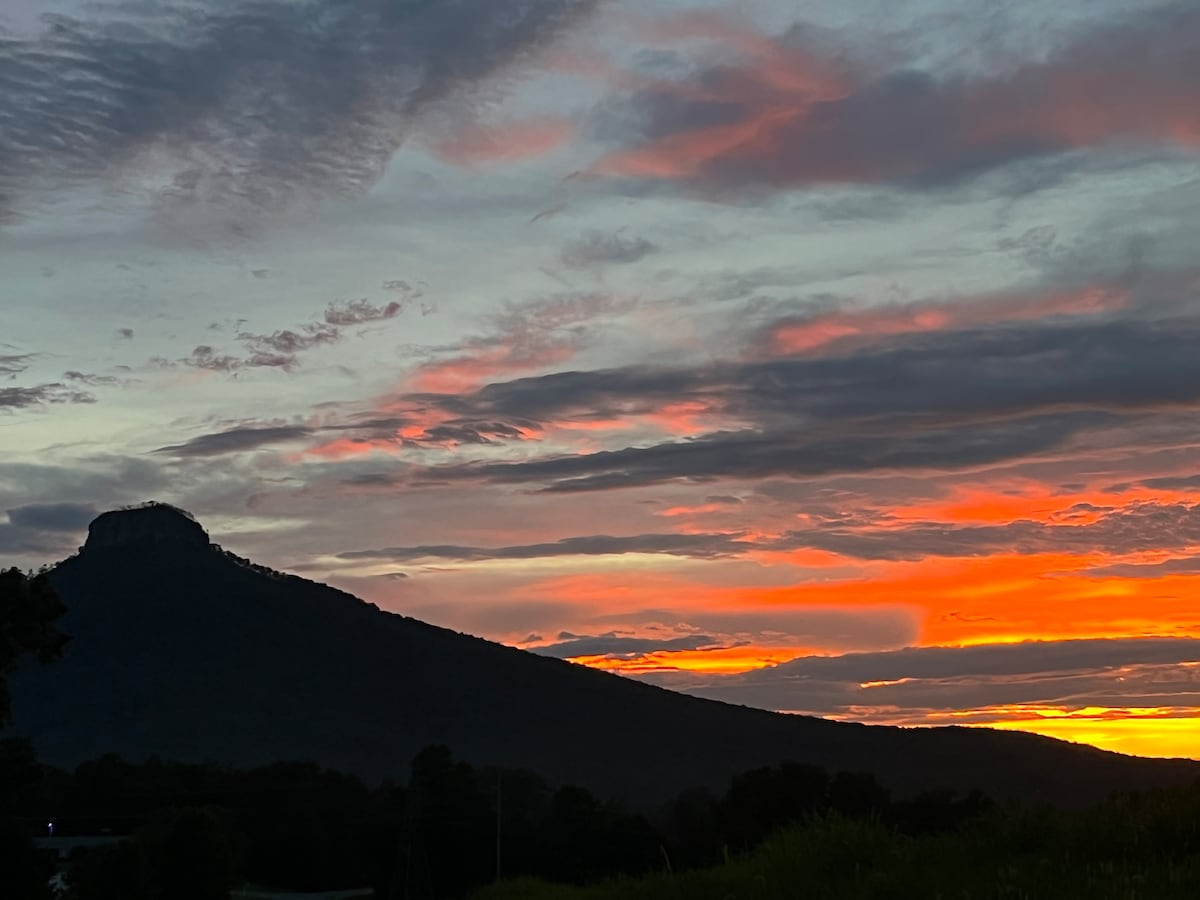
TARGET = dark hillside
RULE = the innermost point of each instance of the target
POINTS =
(187, 652)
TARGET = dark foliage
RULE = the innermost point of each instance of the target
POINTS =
(195, 857)
(29, 611)
(24, 872)
(192, 829)
(112, 872)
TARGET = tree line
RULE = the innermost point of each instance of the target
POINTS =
(193, 831)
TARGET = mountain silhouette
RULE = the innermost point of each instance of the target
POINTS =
(185, 651)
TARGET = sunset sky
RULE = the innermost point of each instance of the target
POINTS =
(832, 357)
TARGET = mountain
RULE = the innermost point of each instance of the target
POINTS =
(183, 650)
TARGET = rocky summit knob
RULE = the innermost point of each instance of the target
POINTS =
(151, 523)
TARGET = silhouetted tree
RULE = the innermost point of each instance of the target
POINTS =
(572, 836)
(858, 794)
(939, 811)
(524, 803)
(299, 822)
(114, 872)
(764, 800)
(20, 777)
(696, 823)
(452, 821)
(29, 609)
(195, 858)
(24, 872)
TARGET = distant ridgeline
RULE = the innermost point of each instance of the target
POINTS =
(182, 650)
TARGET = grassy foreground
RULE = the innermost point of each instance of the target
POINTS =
(1107, 853)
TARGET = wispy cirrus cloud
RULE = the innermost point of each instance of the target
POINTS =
(249, 107)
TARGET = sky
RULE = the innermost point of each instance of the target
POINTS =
(835, 358)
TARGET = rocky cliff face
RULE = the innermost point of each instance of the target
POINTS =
(155, 524)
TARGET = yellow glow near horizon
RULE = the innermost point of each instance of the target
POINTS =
(1135, 731)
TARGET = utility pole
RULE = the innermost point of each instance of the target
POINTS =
(499, 812)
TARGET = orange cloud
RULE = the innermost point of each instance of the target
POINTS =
(717, 661)
(687, 418)
(348, 448)
(488, 361)
(1028, 502)
(803, 335)
(1007, 597)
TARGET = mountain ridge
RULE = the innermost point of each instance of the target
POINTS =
(184, 650)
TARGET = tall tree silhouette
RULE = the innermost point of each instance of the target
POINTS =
(29, 608)
(452, 820)
(195, 857)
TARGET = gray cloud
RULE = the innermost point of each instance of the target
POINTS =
(1129, 529)
(912, 683)
(598, 247)
(40, 532)
(941, 400)
(14, 364)
(1133, 528)
(251, 106)
(840, 629)
(92, 379)
(696, 546)
(288, 342)
(281, 349)
(617, 646)
(31, 544)
(463, 432)
(1027, 658)
(236, 440)
(1189, 565)
(1174, 483)
(41, 394)
(103, 482)
(206, 357)
(792, 453)
(358, 312)
(52, 516)
(1004, 369)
